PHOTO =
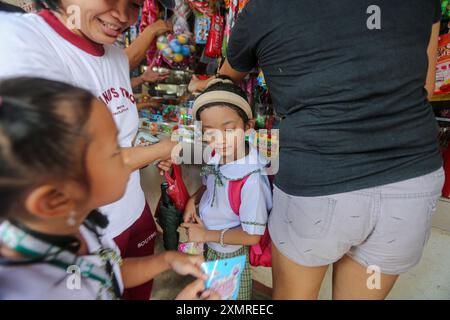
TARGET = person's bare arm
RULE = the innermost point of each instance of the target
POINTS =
(139, 157)
(136, 81)
(432, 60)
(138, 48)
(197, 232)
(190, 212)
(196, 85)
(137, 271)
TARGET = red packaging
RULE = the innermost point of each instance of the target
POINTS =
(201, 6)
(177, 190)
(446, 189)
(150, 14)
(214, 45)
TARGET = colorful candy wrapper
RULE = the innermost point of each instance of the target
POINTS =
(224, 276)
(195, 248)
(215, 37)
(202, 26)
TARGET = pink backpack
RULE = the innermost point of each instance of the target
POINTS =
(260, 254)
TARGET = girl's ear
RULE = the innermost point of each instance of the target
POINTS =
(49, 201)
(250, 125)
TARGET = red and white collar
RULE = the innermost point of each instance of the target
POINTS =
(82, 43)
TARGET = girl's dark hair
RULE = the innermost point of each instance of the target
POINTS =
(42, 136)
(53, 5)
(223, 86)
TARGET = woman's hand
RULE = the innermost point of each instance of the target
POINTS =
(151, 76)
(190, 212)
(185, 264)
(165, 147)
(196, 291)
(161, 27)
(197, 86)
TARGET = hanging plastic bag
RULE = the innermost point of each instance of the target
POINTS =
(177, 189)
(201, 6)
(150, 14)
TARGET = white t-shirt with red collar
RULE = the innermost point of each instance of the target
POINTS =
(39, 45)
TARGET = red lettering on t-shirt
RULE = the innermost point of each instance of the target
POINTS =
(114, 92)
(107, 96)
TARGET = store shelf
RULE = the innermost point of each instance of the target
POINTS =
(444, 122)
(440, 98)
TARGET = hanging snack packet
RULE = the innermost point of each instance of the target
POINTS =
(224, 276)
(202, 25)
(215, 37)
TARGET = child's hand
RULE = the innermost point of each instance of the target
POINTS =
(186, 264)
(195, 291)
(190, 211)
(196, 232)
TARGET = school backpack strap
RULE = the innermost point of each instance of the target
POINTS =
(260, 254)
(234, 193)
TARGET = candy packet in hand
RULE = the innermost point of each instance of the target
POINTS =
(224, 276)
(195, 248)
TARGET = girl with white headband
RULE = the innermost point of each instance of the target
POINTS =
(226, 116)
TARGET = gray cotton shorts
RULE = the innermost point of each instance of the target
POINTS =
(386, 226)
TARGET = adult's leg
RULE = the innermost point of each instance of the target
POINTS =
(396, 244)
(292, 281)
(351, 281)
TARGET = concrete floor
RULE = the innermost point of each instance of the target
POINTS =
(428, 280)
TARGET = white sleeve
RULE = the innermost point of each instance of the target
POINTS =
(26, 52)
(256, 203)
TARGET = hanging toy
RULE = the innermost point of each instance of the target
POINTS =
(176, 49)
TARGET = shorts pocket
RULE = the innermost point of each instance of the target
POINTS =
(311, 217)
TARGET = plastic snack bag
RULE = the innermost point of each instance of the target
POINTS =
(202, 26)
(195, 248)
(215, 37)
(443, 66)
(224, 276)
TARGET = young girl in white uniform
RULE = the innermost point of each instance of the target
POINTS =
(226, 116)
(72, 42)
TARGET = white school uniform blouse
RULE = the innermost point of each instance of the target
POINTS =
(256, 198)
(40, 46)
(43, 281)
